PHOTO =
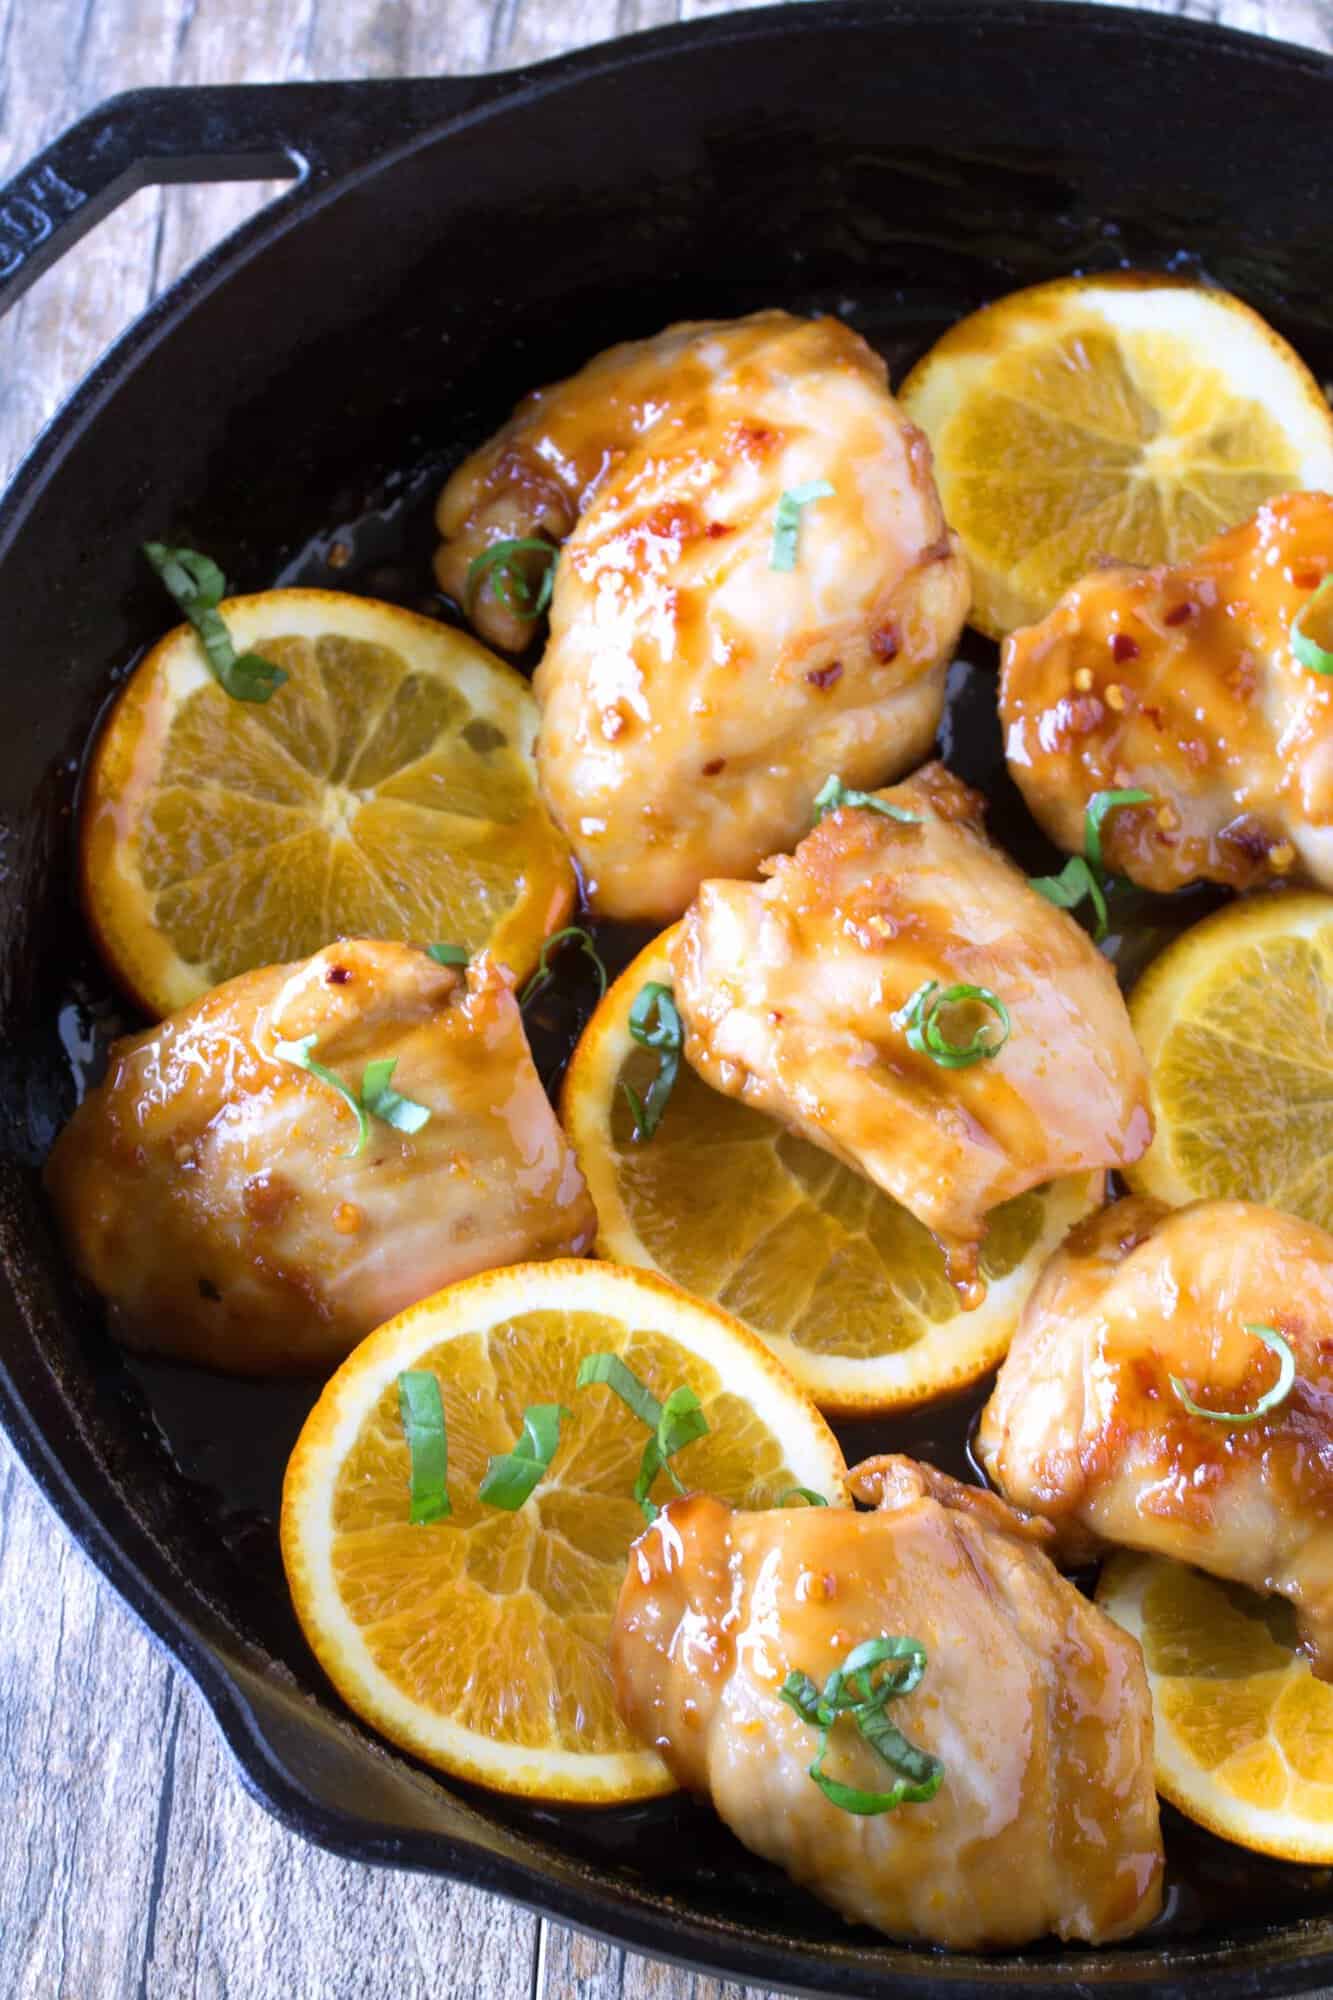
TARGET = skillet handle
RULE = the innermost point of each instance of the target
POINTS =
(300, 132)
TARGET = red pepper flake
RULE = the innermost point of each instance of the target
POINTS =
(1123, 647)
(672, 521)
(1180, 614)
(1307, 578)
(338, 975)
(752, 441)
(717, 528)
(885, 643)
(1078, 715)
(825, 677)
(1253, 840)
(714, 765)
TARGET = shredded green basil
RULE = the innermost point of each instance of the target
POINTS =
(1084, 875)
(543, 976)
(1075, 883)
(681, 1422)
(447, 954)
(805, 1494)
(674, 1424)
(1271, 1399)
(666, 1034)
(298, 1054)
(920, 1017)
(382, 1101)
(421, 1408)
(1099, 805)
(377, 1099)
(1307, 650)
(787, 520)
(833, 794)
(198, 586)
(860, 1690)
(609, 1368)
(512, 1475)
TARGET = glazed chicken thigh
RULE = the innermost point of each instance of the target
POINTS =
(796, 997)
(1034, 1703)
(1182, 682)
(694, 693)
(214, 1194)
(1085, 1428)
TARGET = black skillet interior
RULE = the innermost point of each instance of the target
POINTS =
(893, 164)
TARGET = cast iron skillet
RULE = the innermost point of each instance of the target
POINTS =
(447, 244)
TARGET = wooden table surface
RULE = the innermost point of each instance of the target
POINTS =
(132, 1864)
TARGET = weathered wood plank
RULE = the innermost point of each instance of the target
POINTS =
(132, 1864)
(572, 1967)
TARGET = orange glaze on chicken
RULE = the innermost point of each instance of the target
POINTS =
(1181, 681)
(693, 697)
(209, 1191)
(1037, 1705)
(790, 992)
(1085, 1428)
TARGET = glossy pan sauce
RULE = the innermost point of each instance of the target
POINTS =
(230, 1438)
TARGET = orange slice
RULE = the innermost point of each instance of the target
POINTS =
(847, 1288)
(1132, 416)
(1243, 1730)
(479, 1641)
(387, 789)
(1235, 1026)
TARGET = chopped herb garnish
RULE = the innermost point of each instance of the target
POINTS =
(805, 1494)
(447, 954)
(833, 794)
(378, 1098)
(381, 1100)
(1271, 1398)
(1307, 650)
(543, 976)
(502, 565)
(787, 520)
(859, 1689)
(511, 1476)
(1084, 875)
(1099, 805)
(1075, 883)
(666, 1035)
(198, 586)
(609, 1368)
(421, 1407)
(674, 1424)
(681, 1422)
(921, 1019)
(298, 1053)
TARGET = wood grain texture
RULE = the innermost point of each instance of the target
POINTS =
(132, 1864)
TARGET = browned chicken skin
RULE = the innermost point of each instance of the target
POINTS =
(693, 696)
(1046, 1819)
(1181, 681)
(1085, 1428)
(207, 1189)
(789, 990)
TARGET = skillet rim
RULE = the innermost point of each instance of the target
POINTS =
(236, 1689)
